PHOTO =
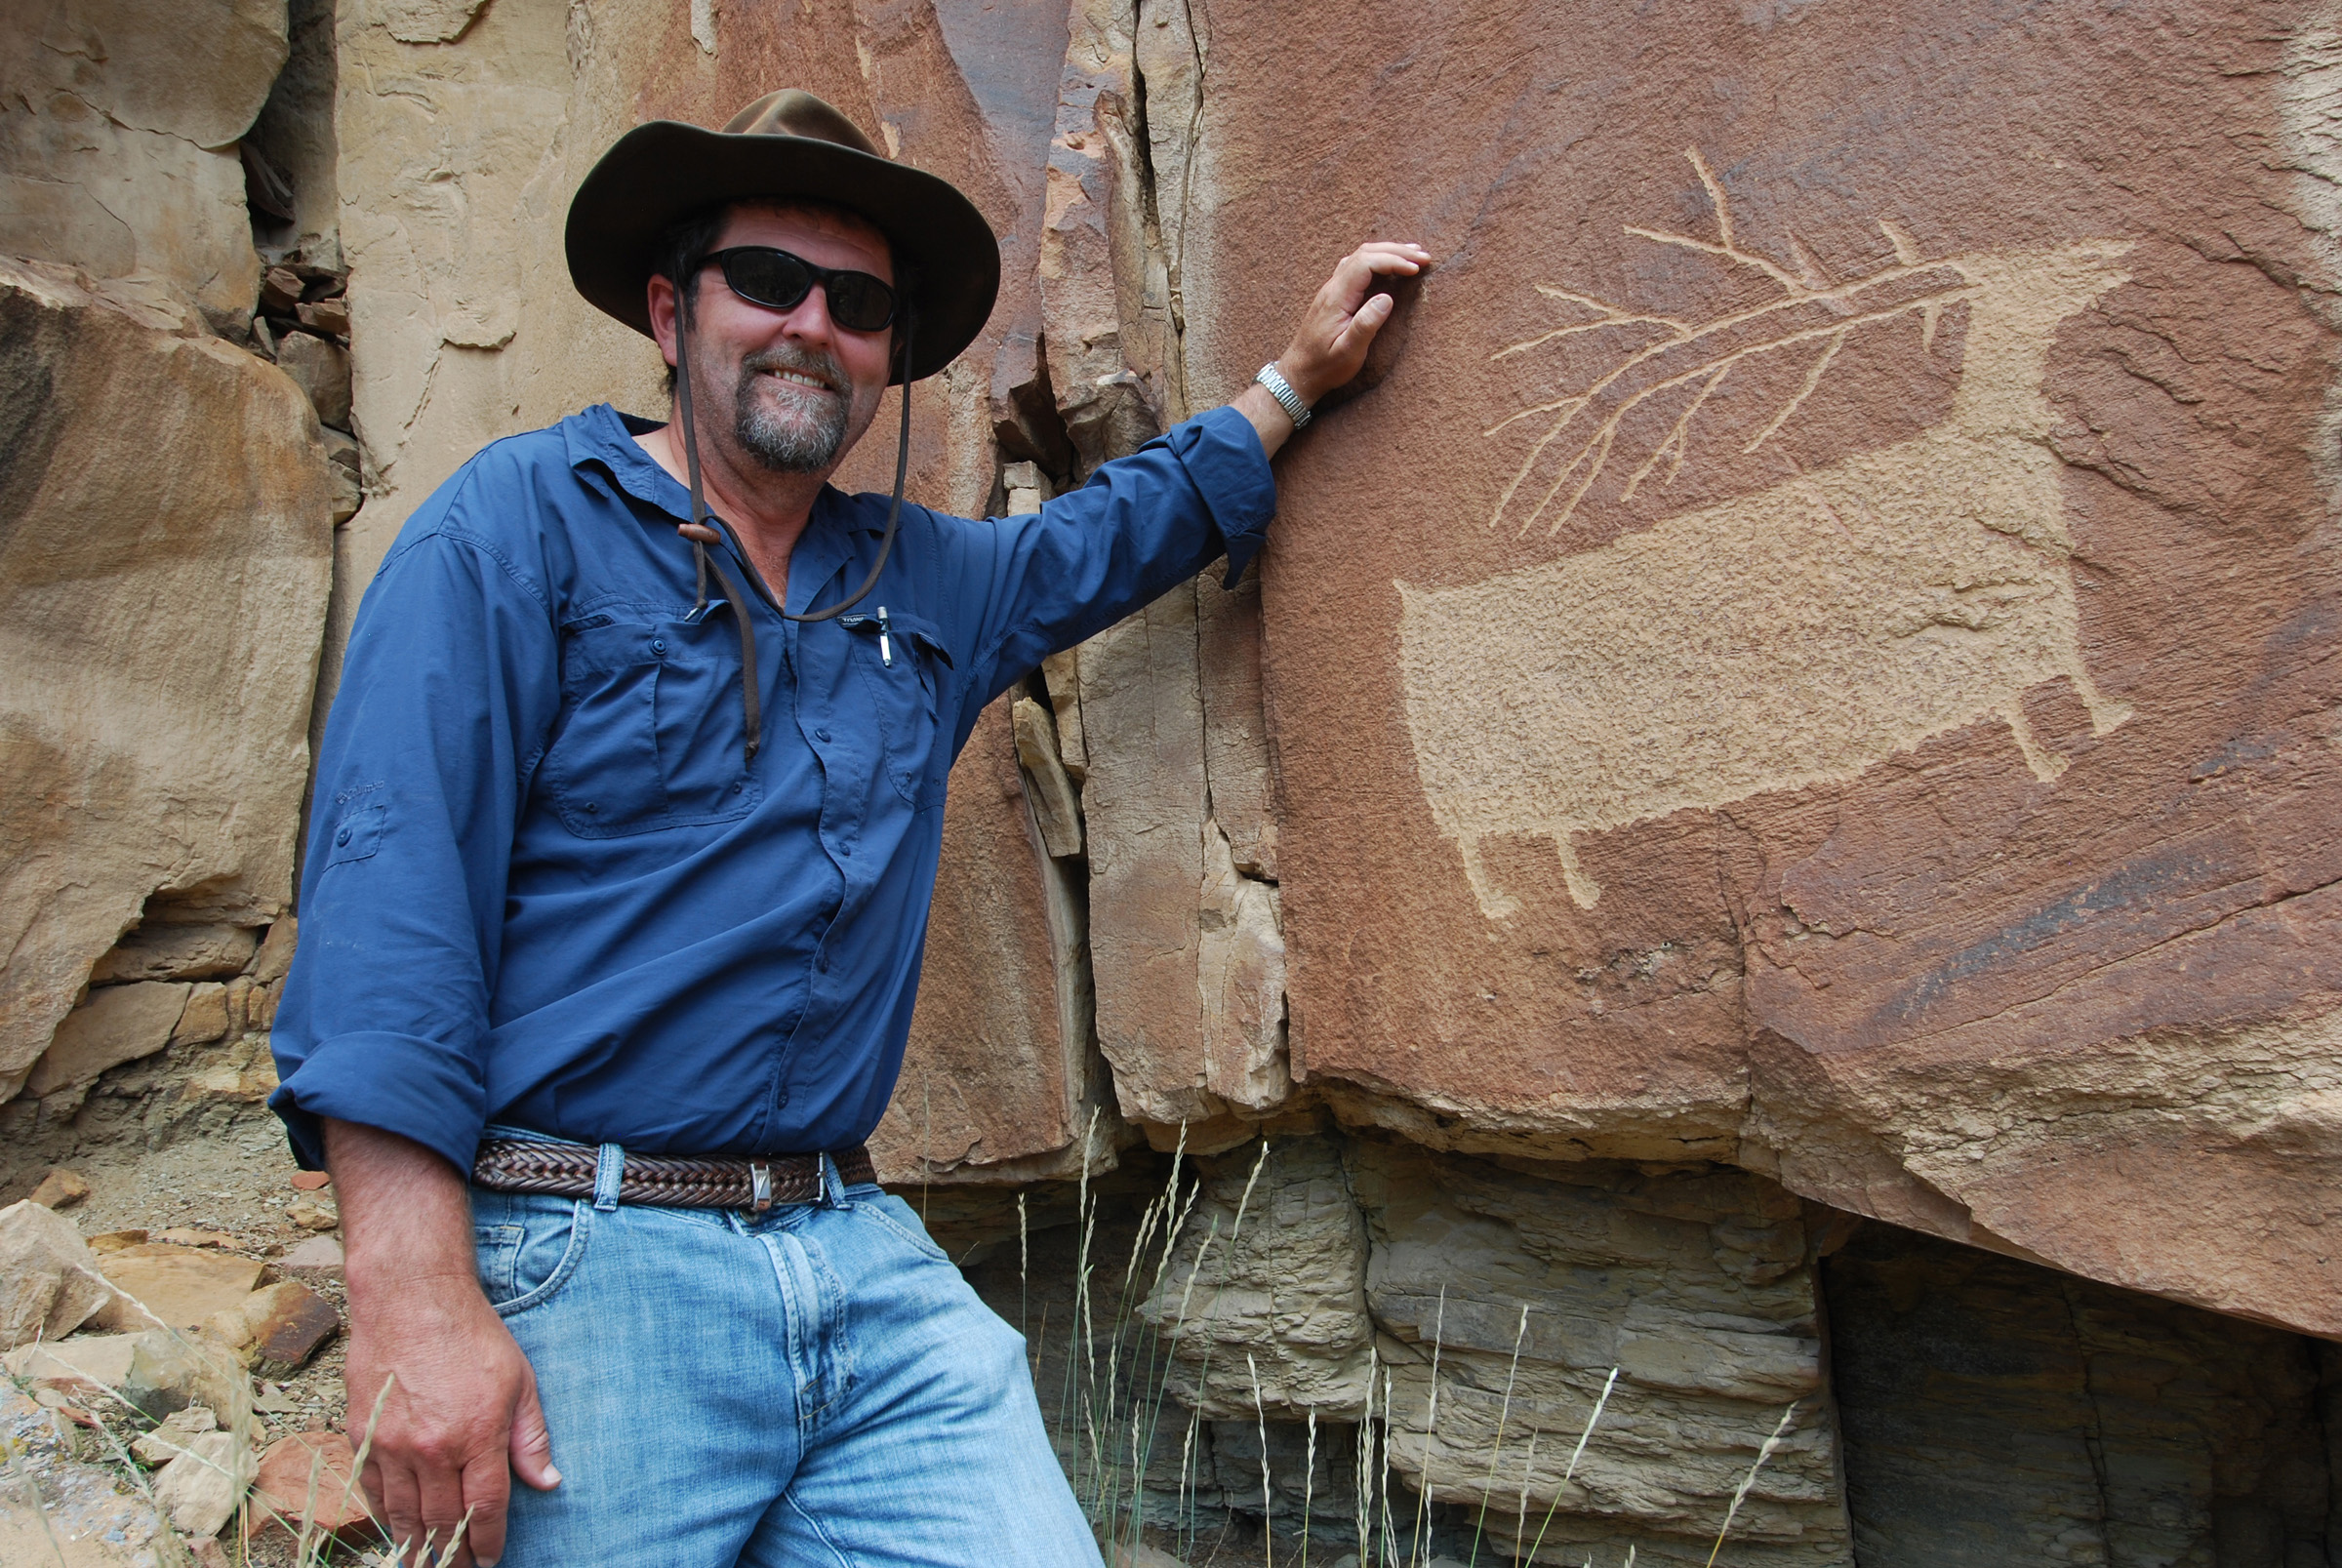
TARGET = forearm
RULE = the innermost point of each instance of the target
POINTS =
(437, 1384)
(1269, 419)
(405, 1214)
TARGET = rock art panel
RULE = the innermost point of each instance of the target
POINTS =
(1921, 587)
(1833, 592)
(165, 532)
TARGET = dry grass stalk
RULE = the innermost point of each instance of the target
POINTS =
(1417, 1549)
(1365, 1467)
(1259, 1414)
(1496, 1451)
(1740, 1493)
(1309, 1487)
(1576, 1454)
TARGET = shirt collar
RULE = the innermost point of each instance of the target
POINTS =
(603, 437)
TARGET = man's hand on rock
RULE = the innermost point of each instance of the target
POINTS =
(1336, 329)
(461, 1416)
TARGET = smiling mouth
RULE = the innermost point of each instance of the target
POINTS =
(798, 379)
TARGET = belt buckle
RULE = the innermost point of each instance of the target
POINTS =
(760, 1187)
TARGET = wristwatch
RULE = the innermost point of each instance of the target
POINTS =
(1282, 390)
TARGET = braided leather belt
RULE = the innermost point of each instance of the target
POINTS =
(567, 1170)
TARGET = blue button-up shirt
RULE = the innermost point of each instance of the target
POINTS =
(547, 884)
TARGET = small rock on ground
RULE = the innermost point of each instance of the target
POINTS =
(61, 1188)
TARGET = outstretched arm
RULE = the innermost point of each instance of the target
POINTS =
(1334, 332)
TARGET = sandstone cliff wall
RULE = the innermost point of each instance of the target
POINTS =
(1813, 655)
(166, 504)
(1800, 686)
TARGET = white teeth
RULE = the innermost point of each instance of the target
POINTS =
(801, 380)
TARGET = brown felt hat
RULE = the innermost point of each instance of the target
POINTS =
(788, 143)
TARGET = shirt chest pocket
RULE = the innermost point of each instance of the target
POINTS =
(903, 663)
(650, 733)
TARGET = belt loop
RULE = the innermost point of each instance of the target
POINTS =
(609, 1169)
(834, 1186)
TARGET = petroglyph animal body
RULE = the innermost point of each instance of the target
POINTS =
(1789, 637)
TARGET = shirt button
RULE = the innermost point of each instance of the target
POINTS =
(821, 735)
(591, 808)
(341, 838)
(821, 964)
(658, 645)
(738, 787)
(845, 851)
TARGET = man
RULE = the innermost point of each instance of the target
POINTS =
(625, 828)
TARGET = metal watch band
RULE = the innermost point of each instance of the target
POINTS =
(1282, 390)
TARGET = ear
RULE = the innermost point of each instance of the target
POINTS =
(898, 359)
(663, 301)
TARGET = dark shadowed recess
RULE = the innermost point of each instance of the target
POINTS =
(1997, 1413)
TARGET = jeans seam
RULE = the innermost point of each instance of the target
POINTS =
(838, 1552)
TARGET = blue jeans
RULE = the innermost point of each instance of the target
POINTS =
(816, 1386)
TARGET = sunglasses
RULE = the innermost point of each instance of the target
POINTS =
(779, 281)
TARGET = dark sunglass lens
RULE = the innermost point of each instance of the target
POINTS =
(860, 301)
(774, 279)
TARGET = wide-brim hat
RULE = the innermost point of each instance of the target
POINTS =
(786, 145)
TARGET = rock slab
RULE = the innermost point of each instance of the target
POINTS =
(54, 1505)
(165, 548)
(1819, 652)
(310, 1479)
(50, 1283)
(181, 1287)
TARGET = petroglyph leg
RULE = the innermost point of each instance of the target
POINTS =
(1584, 889)
(2107, 715)
(2045, 765)
(1495, 903)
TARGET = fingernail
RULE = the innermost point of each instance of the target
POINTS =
(555, 1474)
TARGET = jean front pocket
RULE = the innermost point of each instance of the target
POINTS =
(899, 1218)
(528, 1247)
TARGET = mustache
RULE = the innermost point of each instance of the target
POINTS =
(803, 361)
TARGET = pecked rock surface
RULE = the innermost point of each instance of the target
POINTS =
(1819, 651)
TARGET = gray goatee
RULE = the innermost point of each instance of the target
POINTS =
(803, 438)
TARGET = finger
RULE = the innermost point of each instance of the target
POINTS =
(487, 1489)
(531, 1444)
(442, 1492)
(399, 1502)
(1356, 338)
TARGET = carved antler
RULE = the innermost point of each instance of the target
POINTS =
(1812, 308)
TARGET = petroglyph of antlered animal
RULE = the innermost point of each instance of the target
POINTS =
(1789, 637)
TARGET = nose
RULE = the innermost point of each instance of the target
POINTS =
(808, 321)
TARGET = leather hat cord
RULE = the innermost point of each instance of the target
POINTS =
(703, 522)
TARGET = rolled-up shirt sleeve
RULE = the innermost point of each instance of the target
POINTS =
(449, 688)
(1142, 525)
